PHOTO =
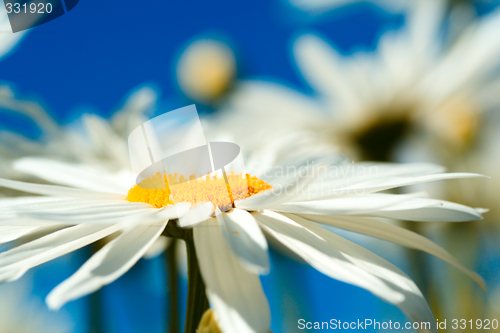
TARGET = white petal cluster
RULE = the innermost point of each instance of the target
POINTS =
(231, 247)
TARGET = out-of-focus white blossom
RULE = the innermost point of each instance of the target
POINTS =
(415, 83)
(90, 139)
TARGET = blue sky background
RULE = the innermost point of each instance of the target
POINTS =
(90, 59)
(96, 53)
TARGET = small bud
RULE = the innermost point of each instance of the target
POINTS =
(206, 69)
(208, 323)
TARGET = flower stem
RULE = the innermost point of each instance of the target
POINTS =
(95, 300)
(95, 312)
(197, 302)
(171, 258)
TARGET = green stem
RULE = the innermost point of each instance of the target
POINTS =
(197, 302)
(95, 300)
(171, 258)
(95, 312)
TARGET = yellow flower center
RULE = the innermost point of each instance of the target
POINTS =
(208, 189)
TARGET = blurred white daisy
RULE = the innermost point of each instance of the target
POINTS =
(413, 83)
(317, 7)
(288, 207)
(90, 139)
(8, 40)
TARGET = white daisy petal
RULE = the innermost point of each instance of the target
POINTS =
(113, 207)
(73, 175)
(132, 114)
(69, 219)
(371, 185)
(320, 255)
(11, 276)
(235, 294)
(362, 204)
(435, 211)
(414, 306)
(396, 235)
(246, 240)
(12, 202)
(380, 169)
(197, 214)
(105, 141)
(323, 68)
(15, 262)
(174, 211)
(262, 97)
(158, 247)
(25, 222)
(278, 194)
(106, 214)
(57, 211)
(53, 204)
(405, 181)
(59, 191)
(12, 232)
(107, 264)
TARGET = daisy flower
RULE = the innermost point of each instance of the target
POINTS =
(90, 139)
(413, 84)
(227, 236)
(429, 92)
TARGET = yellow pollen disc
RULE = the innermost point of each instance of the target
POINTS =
(175, 189)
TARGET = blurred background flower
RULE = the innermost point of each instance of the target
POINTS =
(381, 79)
(206, 69)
